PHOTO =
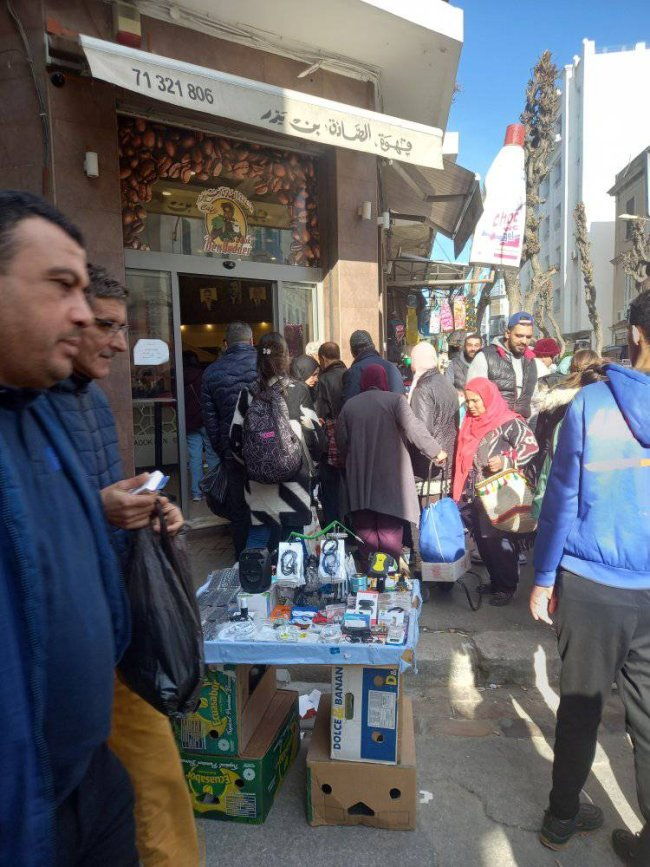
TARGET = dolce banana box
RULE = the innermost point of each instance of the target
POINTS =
(364, 718)
(233, 699)
(242, 789)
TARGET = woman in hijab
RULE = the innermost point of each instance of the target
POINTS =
(305, 369)
(434, 401)
(492, 438)
(371, 433)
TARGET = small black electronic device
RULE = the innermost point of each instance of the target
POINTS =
(255, 570)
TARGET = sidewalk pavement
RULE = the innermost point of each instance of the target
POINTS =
(484, 697)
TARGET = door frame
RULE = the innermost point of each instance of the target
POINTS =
(175, 263)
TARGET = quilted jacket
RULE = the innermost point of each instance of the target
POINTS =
(222, 382)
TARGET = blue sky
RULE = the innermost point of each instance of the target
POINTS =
(503, 40)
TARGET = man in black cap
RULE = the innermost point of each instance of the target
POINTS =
(510, 364)
(364, 353)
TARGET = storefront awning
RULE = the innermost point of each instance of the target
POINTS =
(263, 105)
(448, 199)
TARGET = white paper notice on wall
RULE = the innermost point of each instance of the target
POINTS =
(150, 353)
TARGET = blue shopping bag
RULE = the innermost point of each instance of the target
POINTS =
(442, 534)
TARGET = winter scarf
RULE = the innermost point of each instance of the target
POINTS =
(474, 429)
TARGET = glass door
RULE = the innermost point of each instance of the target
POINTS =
(154, 380)
(297, 315)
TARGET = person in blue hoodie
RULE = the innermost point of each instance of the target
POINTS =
(65, 799)
(592, 564)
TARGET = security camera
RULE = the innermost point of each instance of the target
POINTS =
(57, 79)
(229, 264)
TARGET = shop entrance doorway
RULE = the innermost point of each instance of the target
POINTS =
(175, 307)
(207, 306)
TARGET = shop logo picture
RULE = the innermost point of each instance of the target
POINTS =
(226, 221)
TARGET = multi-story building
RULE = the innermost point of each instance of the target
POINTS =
(600, 128)
(255, 161)
(632, 196)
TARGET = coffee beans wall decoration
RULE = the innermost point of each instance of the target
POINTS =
(150, 152)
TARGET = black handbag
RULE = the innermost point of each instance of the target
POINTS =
(214, 485)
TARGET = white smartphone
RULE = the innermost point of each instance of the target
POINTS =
(155, 482)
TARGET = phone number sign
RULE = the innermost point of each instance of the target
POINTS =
(263, 105)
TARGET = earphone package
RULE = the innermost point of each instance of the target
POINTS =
(332, 565)
(290, 568)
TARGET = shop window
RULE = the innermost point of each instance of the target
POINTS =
(199, 194)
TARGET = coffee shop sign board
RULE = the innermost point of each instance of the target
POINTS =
(226, 221)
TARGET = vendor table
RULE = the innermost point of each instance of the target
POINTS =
(303, 652)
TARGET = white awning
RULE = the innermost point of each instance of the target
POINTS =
(263, 105)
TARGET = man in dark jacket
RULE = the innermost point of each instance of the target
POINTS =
(328, 404)
(510, 364)
(222, 383)
(140, 736)
(64, 797)
(592, 558)
(364, 353)
(459, 364)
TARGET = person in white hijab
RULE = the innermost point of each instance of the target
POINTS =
(434, 401)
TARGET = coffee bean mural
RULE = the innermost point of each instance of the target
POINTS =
(150, 152)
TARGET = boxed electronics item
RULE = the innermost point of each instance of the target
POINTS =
(259, 604)
(355, 793)
(242, 788)
(233, 700)
(365, 713)
(446, 571)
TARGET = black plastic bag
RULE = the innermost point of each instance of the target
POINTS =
(215, 487)
(164, 663)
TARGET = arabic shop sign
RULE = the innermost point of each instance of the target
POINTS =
(263, 105)
(226, 221)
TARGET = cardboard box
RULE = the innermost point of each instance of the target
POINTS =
(356, 793)
(446, 571)
(233, 700)
(243, 788)
(364, 723)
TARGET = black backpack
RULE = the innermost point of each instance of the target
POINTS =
(271, 450)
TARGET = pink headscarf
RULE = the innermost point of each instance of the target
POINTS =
(423, 357)
(473, 429)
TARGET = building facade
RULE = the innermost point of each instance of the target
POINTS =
(600, 128)
(632, 199)
(142, 122)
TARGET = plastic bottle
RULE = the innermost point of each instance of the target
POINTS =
(499, 235)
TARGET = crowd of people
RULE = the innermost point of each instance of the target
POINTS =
(89, 772)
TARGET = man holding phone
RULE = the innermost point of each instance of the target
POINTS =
(141, 737)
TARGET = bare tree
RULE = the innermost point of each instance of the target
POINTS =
(539, 117)
(584, 250)
(483, 304)
(636, 260)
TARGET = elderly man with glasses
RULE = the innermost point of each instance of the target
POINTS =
(140, 736)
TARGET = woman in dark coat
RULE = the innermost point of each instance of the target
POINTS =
(372, 431)
(492, 438)
(278, 509)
